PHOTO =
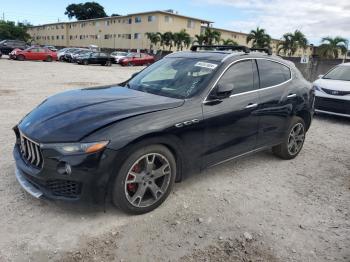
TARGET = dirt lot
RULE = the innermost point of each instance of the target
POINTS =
(258, 208)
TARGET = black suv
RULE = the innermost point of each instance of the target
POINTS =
(94, 58)
(6, 46)
(186, 112)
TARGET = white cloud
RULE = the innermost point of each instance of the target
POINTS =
(315, 18)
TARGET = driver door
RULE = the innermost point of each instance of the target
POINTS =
(231, 122)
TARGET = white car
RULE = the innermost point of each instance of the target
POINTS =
(118, 55)
(332, 91)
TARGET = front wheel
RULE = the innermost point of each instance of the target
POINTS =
(85, 62)
(20, 57)
(293, 141)
(144, 180)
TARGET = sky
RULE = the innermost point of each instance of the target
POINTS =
(315, 18)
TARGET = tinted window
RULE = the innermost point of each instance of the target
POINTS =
(103, 55)
(272, 73)
(241, 76)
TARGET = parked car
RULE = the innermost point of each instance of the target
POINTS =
(6, 46)
(333, 91)
(61, 52)
(68, 55)
(78, 53)
(51, 47)
(36, 53)
(135, 59)
(95, 58)
(13, 53)
(184, 113)
(0, 54)
(118, 55)
(64, 54)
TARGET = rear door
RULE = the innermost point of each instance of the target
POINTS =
(277, 99)
(94, 58)
(231, 124)
(31, 53)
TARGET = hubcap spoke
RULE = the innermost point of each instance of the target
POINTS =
(150, 162)
(162, 171)
(136, 199)
(137, 178)
(155, 190)
(296, 139)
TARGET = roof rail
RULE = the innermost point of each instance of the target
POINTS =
(245, 49)
(265, 50)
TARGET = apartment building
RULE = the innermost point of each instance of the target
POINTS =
(129, 31)
(126, 32)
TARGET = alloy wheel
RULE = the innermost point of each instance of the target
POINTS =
(147, 180)
(296, 139)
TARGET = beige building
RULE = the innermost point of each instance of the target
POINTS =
(129, 32)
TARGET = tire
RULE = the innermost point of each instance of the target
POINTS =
(139, 197)
(293, 140)
(108, 63)
(85, 62)
(61, 59)
(130, 64)
(21, 58)
(48, 59)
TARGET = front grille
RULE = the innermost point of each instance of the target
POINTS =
(335, 92)
(332, 105)
(31, 151)
(64, 188)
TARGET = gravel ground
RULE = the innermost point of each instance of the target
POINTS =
(258, 208)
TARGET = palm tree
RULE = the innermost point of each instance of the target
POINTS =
(181, 39)
(331, 47)
(154, 38)
(259, 38)
(211, 36)
(167, 39)
(292, 42)
(199, 39)
(229, 42)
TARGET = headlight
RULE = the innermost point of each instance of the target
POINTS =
(78, 148)
(314, 87)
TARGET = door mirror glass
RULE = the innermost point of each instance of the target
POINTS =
(224, 90)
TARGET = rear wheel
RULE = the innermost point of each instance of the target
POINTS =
(145, 179)
(130, 64)
(293, 141)
(108, 63)
(48, 59)
(85, 62)
(20, 57)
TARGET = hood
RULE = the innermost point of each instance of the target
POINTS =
(338, 85)
(69, 116)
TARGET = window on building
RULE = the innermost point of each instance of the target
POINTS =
(137, 36)
(62, 37)
(129, 21)
(151, 18)
(106, 36)
(138, 19)
(168, 19)
(52, 37)
(70, 37)
(128, 36)
(190, 23)
(57, 37)
(107, 23)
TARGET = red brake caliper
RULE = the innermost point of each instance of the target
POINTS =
(133, 186)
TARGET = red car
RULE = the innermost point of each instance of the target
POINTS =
(134, 59)
(36, 53)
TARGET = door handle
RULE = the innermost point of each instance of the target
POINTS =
(291, 95)
(251, 106)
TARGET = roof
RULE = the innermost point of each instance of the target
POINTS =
(128, 15)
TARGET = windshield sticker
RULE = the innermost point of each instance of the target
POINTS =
(206, 65)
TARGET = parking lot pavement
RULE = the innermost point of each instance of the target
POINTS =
(258, 207)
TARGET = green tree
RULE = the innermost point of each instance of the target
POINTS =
(181, 39)
(166, 39)
(199, 39)
(332, 47)
(11, 30)
(154, 38)
(292, 42)
(229, 42)
(83, 11)
(211, 36)
(259, 38)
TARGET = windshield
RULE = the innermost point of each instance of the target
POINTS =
(119, 53)
(339, 73)
(174, 77)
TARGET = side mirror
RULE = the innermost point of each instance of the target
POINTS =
(320, 76)
(224, 90)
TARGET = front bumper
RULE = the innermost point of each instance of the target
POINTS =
(88, 181)
(332, 104)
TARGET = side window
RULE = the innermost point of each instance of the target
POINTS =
(272, 73)
(241, 76)
(94, 55)
(103, 55)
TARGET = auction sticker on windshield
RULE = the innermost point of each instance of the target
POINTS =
(206, 65)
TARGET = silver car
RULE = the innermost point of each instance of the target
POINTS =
(332, 91)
